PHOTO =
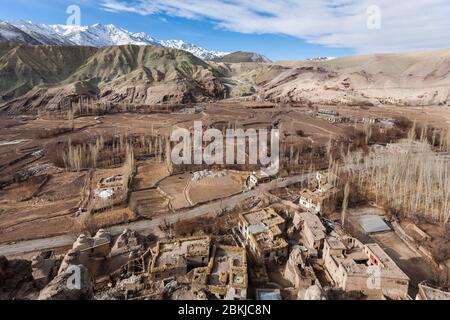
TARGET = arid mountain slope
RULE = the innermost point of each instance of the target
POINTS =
(403, 79)
(128, 74)
(242, 57)
(149, 75)
(23, 67)
(34, 78)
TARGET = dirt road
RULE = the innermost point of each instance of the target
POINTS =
(148, 226)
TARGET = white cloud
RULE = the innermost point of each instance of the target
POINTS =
(406, 25)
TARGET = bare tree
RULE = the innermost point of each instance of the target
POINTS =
(345, 204)
(410, 178)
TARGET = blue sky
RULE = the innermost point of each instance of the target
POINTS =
(281, 29)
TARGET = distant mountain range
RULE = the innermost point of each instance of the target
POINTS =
(241, 57)
(321, 59)
(35, 78)
(38, 77)
(97, 35)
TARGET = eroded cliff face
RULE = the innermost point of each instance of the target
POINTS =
(16, 280)
(124, 74)
(58, 288)
(36, 78)
(390, 79)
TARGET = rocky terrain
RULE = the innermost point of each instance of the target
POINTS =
(47, 63)
(38, 77)
(242, 57)
(16, 280)
(58, 290)
(25, 67)
(416, 79)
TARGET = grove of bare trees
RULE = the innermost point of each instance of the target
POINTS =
(411, 178)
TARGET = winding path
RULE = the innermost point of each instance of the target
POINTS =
(148, 226)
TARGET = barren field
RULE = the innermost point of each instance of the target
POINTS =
(149, 203)
(149, 173)
(146, 169)
(174, 187)
(210, 189)
(31, 210)
(38, 198)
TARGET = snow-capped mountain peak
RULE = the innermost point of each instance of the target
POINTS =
(192, 48)
(97, 35)
(45, 34)
(321, 59)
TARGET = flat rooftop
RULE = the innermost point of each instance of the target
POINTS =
(314, 224)
(389, 267)
(268, 294)
(267, 217)
(373, 224)
(229, 267)
(357, 259)
(351, 266)
(431, 293)
(309, 194)
(335, 243)
(174, 253)
(267, 244)
(264, 228)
